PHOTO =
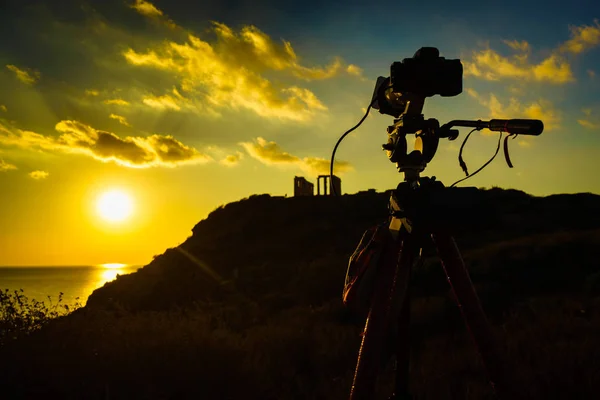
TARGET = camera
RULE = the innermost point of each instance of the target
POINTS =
(413, 79)
(427, 74)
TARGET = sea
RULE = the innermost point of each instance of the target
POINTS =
(75, 282)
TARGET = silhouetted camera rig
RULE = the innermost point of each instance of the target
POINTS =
(402, 95)
(418, 215)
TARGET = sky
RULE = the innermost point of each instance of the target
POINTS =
(182, 107)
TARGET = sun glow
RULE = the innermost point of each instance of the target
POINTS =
(114, 206)
(113, 265)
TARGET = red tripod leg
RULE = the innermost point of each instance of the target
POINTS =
(384, 306)
(472, 312)
(401, 311)
(401, 390)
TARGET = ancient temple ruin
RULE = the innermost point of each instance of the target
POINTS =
(302, 187)
(328, 182)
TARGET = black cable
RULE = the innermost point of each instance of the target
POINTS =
(484, 165)
(462, 163)
(331, 185)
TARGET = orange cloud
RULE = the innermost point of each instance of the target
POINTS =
(270, 153)
(4, 166)
(582, 38)
(588, 124)
(232, 159)
(524, 143)
(130, 151)
(122, 120)
(149, 10)
(27, 76)
(541, 109)
(354, 70)
(228, 72)
(37, 175)
(522, 46)
(590, 121)
(162, 102)
(146, 8)
(490, 65)
(116, 102)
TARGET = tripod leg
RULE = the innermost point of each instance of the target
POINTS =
(402, 311)
(401, 390)
(475, 318)
(390, 285)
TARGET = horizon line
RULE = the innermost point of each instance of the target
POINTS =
(102, 265)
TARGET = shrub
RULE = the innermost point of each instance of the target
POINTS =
(20, 316)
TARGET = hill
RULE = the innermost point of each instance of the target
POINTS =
(281, 251)
(249, 306)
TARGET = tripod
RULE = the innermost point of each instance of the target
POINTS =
(415, 217)
(419, 209)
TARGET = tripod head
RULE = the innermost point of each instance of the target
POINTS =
(402, 95)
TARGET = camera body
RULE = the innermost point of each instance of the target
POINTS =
(427, 74)
(412, 80)
(402, 95)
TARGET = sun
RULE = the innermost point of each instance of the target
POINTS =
(114, 206)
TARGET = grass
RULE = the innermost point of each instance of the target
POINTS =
(304, 353)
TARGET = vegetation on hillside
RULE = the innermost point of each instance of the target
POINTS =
(20, 316)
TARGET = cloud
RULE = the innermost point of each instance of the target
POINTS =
(589, 122)
(27, 76)
(3, 108)
(174, 101)
(149, 10)
(582, 38)
(489, 65)
(524, 143)
(122, 120)
(146, 8)
(522, 46)
(92, 92)
(130, 151)
(270, 153)
(354, 70)
(4, 166)
(591, 73)
(117, 102)
(162, 102)
(229, 72)
(318, 165)
(232, 159)
(541, 109)
(37, 175)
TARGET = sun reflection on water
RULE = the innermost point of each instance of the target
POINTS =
(107, 275)
(108, 272)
